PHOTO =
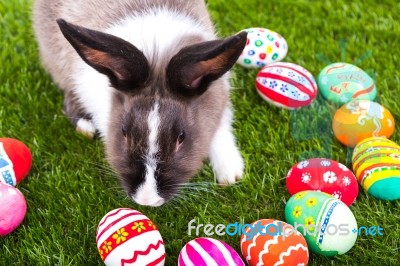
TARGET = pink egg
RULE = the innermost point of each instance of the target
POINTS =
(208, 251)
(12, 208)
(286, 85)
(127, 237)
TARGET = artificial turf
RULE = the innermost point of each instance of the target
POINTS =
(70, 186)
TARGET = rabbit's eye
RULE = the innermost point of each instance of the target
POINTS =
(124, 130)
(181, 137)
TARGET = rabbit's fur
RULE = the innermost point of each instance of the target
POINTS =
(152, 78)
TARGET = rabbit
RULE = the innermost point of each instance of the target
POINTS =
(152, 78)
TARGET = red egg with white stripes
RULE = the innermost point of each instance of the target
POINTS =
(127, 237)
(208, 251)
(286, 85)
(272, 242)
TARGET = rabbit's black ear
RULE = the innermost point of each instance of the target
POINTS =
(193, 68)
(126, 66)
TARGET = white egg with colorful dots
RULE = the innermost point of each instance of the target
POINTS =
(263, 47)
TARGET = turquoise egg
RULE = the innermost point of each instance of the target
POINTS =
(327, 224)
(341, 82)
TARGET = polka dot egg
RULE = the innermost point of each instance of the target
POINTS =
(262, 48)
(127, 237)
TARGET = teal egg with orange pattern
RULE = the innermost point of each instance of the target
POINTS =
(341, 83)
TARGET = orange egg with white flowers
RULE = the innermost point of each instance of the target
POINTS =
(273, 242)
(361, 119)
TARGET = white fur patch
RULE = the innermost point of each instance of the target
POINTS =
(85, 127)
(224, 155)
(147, 193)
(155, 33)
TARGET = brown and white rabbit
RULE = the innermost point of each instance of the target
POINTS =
(152, 78)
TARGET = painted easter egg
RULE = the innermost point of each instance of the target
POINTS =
(376, 162)
(127, 237)
(286, 85)
(12, 208)
(263, 47)
(361, 119)
(15, 161)
(208, 251)
(327, 224)
(341, 82)
(324, 175)
(273, 242)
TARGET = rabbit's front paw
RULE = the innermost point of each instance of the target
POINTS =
(229, 167)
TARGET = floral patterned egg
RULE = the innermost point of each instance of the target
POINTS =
(127, 237)
(262, 48)
(341, 82)
(271, 242)
(286, 85)
(327, 224)
(361, 119)
(324, 175)
(208, 251)
(376, 162)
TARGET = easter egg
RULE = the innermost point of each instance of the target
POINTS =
(361, 119)
(324, 175)
(15, 161)
(327, 224)
(208, 251)
(127, 237)
(286, 85)
(262, 48)
(376, 162)
(12, 208)
(341, 82)
(272, 242)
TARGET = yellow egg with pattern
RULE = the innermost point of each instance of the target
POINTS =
(376, 164)
(361, 119)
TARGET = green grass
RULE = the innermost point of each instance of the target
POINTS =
(69, 188)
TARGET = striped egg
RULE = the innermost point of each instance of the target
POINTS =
(286, 85)
(271, 242)
(208, 252)
(376, 162)
(327, 224)
(127, 237)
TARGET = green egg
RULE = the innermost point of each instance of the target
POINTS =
(326, 223)
(341, 82)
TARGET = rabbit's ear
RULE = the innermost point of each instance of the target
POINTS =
(193, 68)
(126, 66)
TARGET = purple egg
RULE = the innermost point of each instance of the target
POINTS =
(205, 251)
